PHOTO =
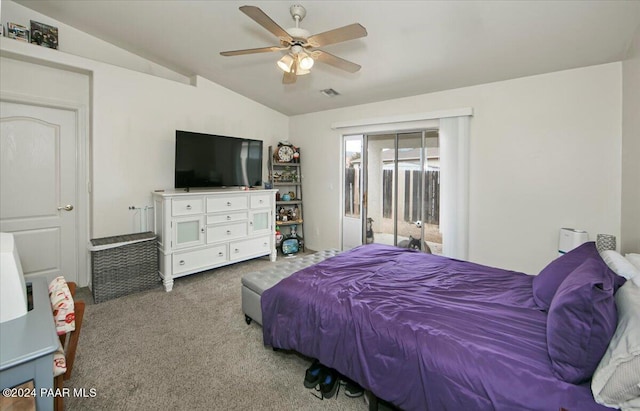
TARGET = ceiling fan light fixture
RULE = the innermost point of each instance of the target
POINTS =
(306, 61)
(302, 46)
(286, 63)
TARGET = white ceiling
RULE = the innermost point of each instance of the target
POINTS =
(412, 47)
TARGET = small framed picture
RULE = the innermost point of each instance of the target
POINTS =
(18, 32)
(44, 35)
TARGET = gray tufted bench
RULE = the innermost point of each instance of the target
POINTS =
(254, 283)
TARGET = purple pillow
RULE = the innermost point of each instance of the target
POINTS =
(547, 282)
(581, 321)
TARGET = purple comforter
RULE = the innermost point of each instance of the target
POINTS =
(423, 332)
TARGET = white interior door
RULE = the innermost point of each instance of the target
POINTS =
(38, 192)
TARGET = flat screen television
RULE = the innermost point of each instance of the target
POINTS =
(207, 160)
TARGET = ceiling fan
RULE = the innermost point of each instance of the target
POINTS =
(301, 45)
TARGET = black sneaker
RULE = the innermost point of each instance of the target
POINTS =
(352, 389)
(314, 374)
(329, 385)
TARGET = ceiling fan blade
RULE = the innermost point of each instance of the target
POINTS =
(335, 61)
(350, 32)
(265, 21)
(291, 76)
(252, 51)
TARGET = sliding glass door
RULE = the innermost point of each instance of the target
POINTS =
(391, 190)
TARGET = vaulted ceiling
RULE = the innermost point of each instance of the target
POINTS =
(412, 47)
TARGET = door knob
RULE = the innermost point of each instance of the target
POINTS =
(68, 207)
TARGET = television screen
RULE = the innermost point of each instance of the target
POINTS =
(206, 160)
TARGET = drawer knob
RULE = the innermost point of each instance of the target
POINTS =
(188, 207)
(228, 203)
(228, 232)
(261, 201)
(228, 217)
(220, 253)
(181, 262)
(202, 230)
(236, 250)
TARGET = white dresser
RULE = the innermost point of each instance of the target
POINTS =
(200, 230)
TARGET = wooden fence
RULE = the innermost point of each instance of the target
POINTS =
(411, 193)
(409, 190)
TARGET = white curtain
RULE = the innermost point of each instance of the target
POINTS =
(454, 186)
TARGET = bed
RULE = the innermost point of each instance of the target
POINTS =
(426, 332)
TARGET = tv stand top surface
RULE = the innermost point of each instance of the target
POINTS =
(178, 191)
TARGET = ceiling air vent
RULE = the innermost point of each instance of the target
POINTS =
(329, 92)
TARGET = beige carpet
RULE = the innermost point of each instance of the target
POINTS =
(189, 349)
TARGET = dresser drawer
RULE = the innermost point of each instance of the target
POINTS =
(194, 260)
(227, 217)
(225, 232)
(247, 248)
(227, 203)
(261, 200)
(187, 206)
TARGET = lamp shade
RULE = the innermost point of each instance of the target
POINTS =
(306, 62)
(286, 63)
(13, 290)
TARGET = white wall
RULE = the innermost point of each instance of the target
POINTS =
(630, 223)
(134, 118)
(545, 154)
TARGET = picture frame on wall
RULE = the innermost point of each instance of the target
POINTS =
(44, 35)
(18, 32)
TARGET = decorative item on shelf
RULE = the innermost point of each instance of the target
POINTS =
(277, 195)
(279, 236)
(286, 197)
(44, 35)
(296, 155)
(18, 32)
(284, 153)
(291, 244)
(605, 242)
(292, 195)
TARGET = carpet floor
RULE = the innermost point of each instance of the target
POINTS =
(189, 349)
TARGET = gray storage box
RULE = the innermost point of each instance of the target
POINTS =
(123, 264)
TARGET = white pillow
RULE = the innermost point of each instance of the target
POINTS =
(616, 381)
(634, 259)
(619, 265)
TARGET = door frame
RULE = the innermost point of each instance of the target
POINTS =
(82, 181)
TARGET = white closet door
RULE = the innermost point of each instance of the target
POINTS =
(38, 193)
